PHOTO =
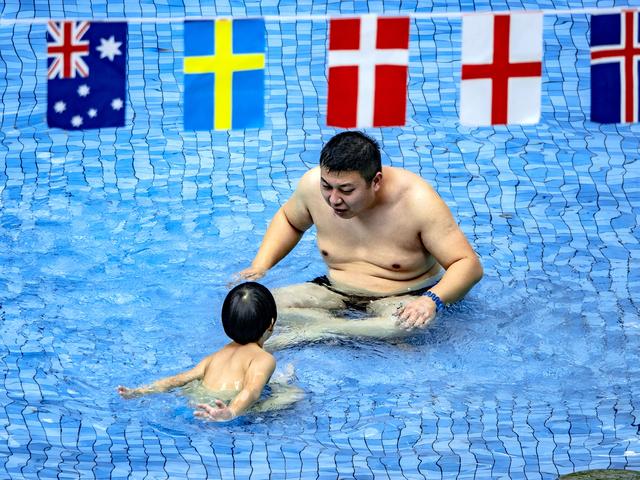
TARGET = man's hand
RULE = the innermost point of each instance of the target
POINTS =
(219, 413)
(251, 273)
(416, 314)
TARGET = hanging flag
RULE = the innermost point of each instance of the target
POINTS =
(501, 69)
(224, 74)
(615, 67)
(368, 62)
(86, 74)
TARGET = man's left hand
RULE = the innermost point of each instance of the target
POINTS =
(416, 314)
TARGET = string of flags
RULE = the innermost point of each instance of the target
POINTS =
(367, 62)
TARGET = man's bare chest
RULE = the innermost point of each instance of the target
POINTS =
(385, 234)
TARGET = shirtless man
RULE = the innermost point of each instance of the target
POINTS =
(386, 237)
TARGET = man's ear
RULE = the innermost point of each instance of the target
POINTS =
(377, 181)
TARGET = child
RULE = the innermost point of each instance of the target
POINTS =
(242, 366)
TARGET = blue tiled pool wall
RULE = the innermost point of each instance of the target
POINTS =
(565, 171)
(104, 224)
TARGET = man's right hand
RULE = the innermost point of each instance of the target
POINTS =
(251, 273)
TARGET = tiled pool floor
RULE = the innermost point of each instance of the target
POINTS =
(116, 247)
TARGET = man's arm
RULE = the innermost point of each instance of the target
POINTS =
(168, 383)
(255, 378)
(442, 237)
(284, 232)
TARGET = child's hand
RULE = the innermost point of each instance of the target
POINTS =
(126, 392)
(219, 413)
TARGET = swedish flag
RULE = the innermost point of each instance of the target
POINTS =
(224, 74)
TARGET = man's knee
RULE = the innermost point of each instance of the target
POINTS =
(306, 295)
(284, 297)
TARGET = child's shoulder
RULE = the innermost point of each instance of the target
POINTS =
(253, 352)
(263, 357)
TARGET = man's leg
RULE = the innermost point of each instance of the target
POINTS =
(307, 295)
(380, 321)
(302, 310)
(306, 303)
(314, 325)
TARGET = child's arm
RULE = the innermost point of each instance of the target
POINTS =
(168, 383)
(255, 378)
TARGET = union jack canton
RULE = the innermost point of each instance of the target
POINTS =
(86, 74)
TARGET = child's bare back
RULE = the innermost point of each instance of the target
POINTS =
(242, 366)
(231, 367)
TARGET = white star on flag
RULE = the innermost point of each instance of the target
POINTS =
(92, 113)
(109, 48)
(117, 103)
(76, 121)
(83, 90)
(59, 106)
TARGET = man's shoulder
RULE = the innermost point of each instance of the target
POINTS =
(310, 177)
(410, 186)
(308, 186)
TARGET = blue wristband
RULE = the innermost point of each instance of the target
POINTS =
(436, 299)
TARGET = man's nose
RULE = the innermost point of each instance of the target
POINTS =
(335, 198)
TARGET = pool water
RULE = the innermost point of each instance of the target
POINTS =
(117, 247)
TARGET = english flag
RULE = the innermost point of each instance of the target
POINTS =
(368, 63)
(501, 69)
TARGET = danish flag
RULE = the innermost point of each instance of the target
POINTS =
(615, 61)
(501, 69)
(67, 49)
(368, 63)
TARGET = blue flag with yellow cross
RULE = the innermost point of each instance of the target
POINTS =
(224, 74)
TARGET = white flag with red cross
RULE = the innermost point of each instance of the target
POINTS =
(501, 78)
(368, 64)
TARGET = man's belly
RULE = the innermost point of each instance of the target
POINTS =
(358, 282)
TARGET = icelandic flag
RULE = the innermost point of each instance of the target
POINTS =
(501, 78)
(87, 64)
(615, 67)
(224, 74)
(368, 63)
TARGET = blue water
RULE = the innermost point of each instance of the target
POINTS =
(116, 248)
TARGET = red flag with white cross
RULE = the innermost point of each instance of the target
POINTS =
(501, 69)
(368, 64)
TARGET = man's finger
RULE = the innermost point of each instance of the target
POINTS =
(415, 320)
(421, 322)
(407, 322)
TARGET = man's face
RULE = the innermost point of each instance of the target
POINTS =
(347, 193)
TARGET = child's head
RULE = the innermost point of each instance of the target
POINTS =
(248, 312)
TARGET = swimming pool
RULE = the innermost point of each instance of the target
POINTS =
(117, 246)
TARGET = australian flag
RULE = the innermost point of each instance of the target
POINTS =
(615, 67)
(86, 74)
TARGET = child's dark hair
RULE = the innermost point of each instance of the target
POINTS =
(352, 151)
(247, 312)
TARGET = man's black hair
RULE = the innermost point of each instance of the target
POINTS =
(247, 312)
(352, 152)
